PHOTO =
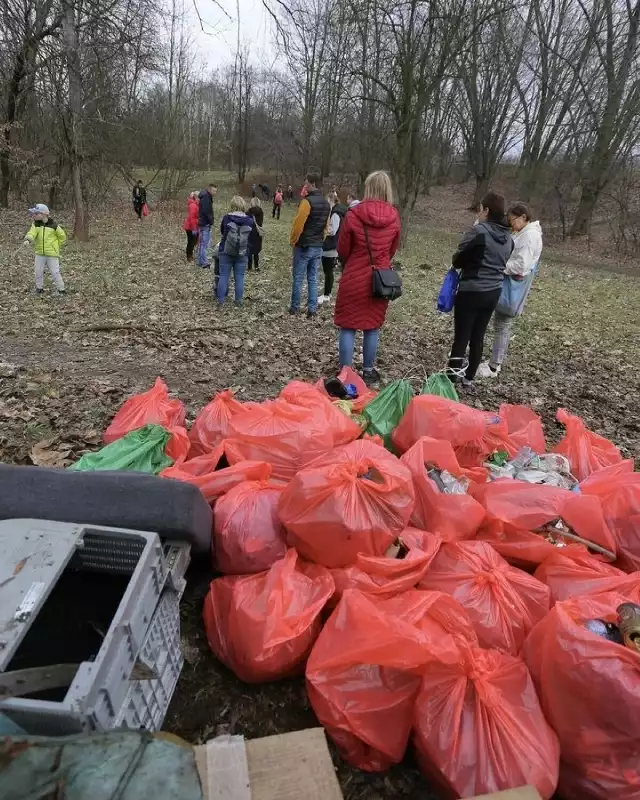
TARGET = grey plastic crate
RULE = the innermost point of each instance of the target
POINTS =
(98, 691)
(147, 701)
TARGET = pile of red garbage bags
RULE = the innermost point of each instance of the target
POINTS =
(450, 622)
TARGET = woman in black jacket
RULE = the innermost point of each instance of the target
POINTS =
(255, 237)
(481, 257)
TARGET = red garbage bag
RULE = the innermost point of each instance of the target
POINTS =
(587, 451)
(348, 375)
(152, 407)
(356, 499)
(382, 576)
(618, 488)
(515, 509)
(207, 473)
(589, 689)
(572, 571)
(344, 429)
(503, 602)
(286, 436)
(211, 425)
(452, 516)
(248, 535)
(479, 728)
(263, 626)
(474, 434)
(363, 674)
(525, 427)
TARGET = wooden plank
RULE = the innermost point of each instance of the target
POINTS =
(523, 793)
(292, 766)
(224, 773)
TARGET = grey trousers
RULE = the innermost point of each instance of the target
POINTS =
(53, 265)
(502, 326)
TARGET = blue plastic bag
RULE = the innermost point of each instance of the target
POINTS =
(514, 294)
(448, 291)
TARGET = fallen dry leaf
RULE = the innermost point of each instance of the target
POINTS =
(45, 454)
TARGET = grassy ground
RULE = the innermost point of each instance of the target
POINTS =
(136, 310)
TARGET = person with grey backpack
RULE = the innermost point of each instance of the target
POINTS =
(236, 227)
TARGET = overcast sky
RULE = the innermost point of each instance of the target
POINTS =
(215, 38)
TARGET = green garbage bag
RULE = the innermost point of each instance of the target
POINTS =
(439, 384)
(141, 450)
(386, 410)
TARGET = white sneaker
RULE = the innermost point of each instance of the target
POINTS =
(321, 299)
(486, 371)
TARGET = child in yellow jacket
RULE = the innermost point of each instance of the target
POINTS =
(46, 236)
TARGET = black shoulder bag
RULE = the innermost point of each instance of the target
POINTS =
(387, 284)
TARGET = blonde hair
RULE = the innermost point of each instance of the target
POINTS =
(378, 187)
(255, 203)
(238, 204)
(193, 195)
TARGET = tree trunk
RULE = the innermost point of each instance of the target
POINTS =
(482, 187)
(584, 215)
(19, 69)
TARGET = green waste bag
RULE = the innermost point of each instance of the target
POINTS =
(386, 410)
(141, 450)
(439, 384)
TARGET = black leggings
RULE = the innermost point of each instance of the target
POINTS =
(137, 207)
(254, 261)
(276, 211)
(328, 265)
(471, 315)
(192, 239)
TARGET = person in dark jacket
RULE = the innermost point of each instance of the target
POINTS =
(357, 309)
(307, 235)
(330, 247)
(233, 249)
(481, 257)
(255, 237)
(205, 223)
(139, 198)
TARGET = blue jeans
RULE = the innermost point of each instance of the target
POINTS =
(205, 238)
(346, 344)
(306, 261)
(239, 266)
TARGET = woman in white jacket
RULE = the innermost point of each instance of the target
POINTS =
(527, 239)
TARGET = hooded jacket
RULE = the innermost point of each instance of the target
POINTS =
(191, 220)
(356, 307)
(46, 238)
(526, 251)
(482, 257)
(243, 224)
(205, 208)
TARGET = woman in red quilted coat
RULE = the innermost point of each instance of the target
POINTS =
(356, 307)
(191, 224)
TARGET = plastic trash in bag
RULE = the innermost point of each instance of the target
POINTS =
(440, 385)
(437, 508)
(141, 450)
(248, 535)
(364, 672)
(587, 451)
(503, 602)
(211, 425)
(479, 728)
(153, 407)
(349, 377)
(344, 428)
(287, 436)
(356, 499)
(404, 565)
(525, 521)
(524, 427)
(572, 571)
(589, 690)
(474, 434)
(263, 626)
(386, 410)
(550, 469)
(213, 474)
(448, 291)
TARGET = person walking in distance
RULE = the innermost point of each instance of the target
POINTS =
(278, 199)
(481, 257)
(290, 193)
(307, 236)
(233, 250)
(46, 236)
(139, 198)
(205, 223)
(369, 237)
(256, 234)
(521, 267)
(191, 224)
(329, 248)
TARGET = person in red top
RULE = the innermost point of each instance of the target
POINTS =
(356, 307)
(191, 225)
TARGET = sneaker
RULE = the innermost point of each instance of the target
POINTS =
(39, 291)
(205, 266)
(312, 314)
(321, 299)
(485, 370)
(293, 311)
(62, 291)
(371, 377)
(238, 303)
(466, 383)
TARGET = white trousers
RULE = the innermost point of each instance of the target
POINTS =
(53, 265)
